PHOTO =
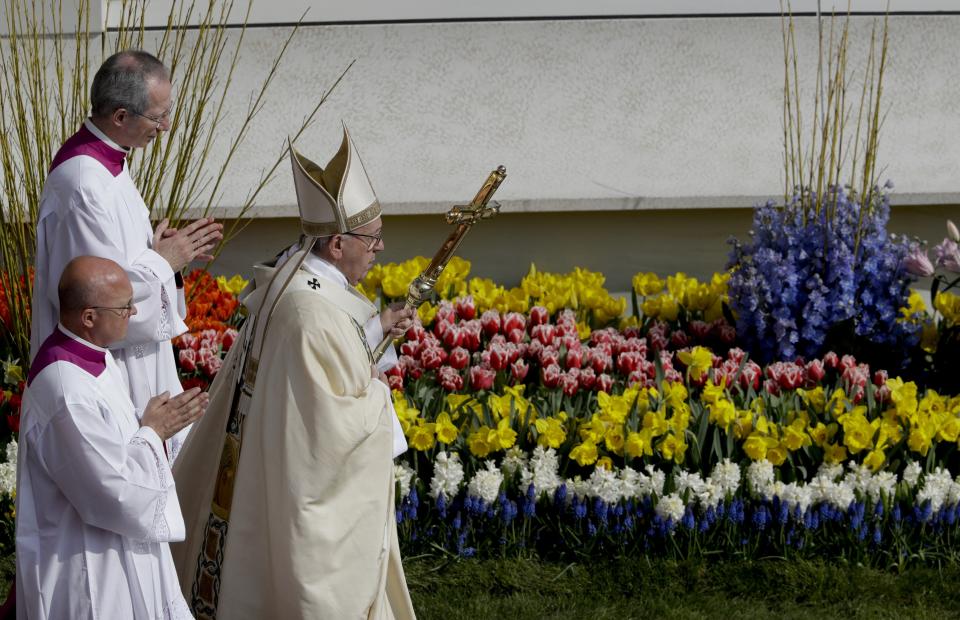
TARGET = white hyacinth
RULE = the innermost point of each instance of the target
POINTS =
(404, 475)
(687, 481)
(671, 507)
(486, 483)
(760, 478)
(830, 471)
(793, 495)
(882, 484)
(631, 482)
(8, 470)
(711, 494)
(606, 485)
(726, 475)
(447, 475)
(911, 474)
(514, 460)
(542, 471)
(655, 479)
(859, 477)
(579, 487)
(838, 494)
(938, 489)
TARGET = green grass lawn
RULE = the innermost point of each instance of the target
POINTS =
(527, 589)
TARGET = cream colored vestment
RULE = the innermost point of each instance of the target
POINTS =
(312, 530)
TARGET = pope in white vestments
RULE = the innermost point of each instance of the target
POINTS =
(96, 503)
(287, 483)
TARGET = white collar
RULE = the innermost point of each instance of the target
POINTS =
(92, 128)
(319, 267)
(73, 336)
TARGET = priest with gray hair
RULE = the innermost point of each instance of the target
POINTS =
(91, 206)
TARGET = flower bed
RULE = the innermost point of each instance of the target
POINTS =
(548, 418)
(556, 432)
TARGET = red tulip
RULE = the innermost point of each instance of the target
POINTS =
(465, 307)
(490, 321)
(459, 358)
(482, 378)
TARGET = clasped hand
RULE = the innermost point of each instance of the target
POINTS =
(167, 416)
(195, 241)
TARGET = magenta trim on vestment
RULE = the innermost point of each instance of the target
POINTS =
(85, 143)
(59, 347)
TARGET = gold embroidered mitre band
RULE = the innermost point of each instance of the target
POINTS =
(335, 199)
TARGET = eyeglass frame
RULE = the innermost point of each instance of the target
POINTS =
(376, 239)
(124, 312)
(159, 120)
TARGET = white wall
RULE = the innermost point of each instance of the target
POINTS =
(329, 11)
(615, 114)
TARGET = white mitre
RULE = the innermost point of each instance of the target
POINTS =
(335, 199)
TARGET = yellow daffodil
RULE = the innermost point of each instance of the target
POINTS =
(698, 361)
(639, 444)
(919, 440)
(815, 399)
(506, 436)
(426, 312)
(758, 444)
(656, 421)
(820, 434)
(875, 459)
(421, 435)
(551, 432)
(713, 392)
(834, 453)
(614, 439)
(795, 435)
(593, 430)
(858, 432)
(477, 442)
(456, 403)
(584, 453)
(948, 305)
(233, 286)
(647, 284)
(673, 448)
(446, 431)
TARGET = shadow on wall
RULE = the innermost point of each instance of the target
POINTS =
(617, 244)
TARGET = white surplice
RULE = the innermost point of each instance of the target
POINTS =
(90, 206)
(96, 503)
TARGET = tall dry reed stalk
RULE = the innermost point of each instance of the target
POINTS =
(826, 155)
(47, 62)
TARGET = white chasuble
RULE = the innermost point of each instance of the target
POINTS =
(90, 206)
(371, 328)
(96, 504)
(312, 528)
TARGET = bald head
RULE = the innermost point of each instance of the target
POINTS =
(86, 281)
(96, 300)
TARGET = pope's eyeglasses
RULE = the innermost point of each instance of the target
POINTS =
(375, 239)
